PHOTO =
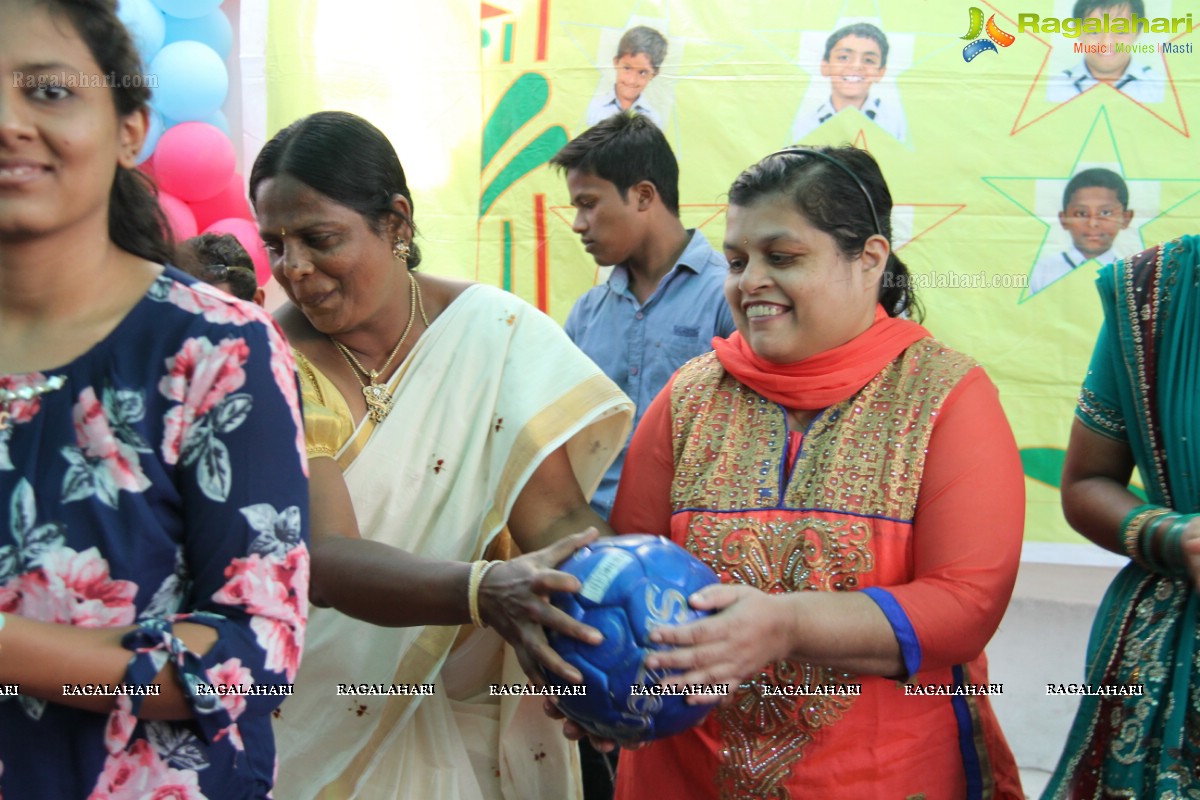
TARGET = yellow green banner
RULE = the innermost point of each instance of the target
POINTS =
(979, 118)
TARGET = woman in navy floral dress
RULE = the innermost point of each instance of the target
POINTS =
(153, 494)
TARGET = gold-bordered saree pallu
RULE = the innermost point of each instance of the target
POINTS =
(491, 389)
(839, 520)
(1143, 388)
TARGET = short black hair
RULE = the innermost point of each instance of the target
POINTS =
(201, 255)
(864, 29)
(1097, 176)
(1083, 8)
(625, 149)
(644, 40)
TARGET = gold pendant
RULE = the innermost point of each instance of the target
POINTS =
(379, 402)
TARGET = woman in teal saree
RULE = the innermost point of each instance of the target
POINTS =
(1140, 406)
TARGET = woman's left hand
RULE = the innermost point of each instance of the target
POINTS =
(752, 629)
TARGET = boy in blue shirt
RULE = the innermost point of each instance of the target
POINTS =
(1103, 62)
(1095, 210)
(664, 301)
(855, 60)
(639, 57)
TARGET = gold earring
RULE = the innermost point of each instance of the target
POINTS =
(282, 232)
(400, 249)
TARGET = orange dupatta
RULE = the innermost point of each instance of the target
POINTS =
(826, 378)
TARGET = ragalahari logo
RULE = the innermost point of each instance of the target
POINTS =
(995, 36)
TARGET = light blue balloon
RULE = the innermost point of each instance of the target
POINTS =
(220, 121)
(146, 25)
(187, 9)
(153, 133)
(217, 120)
(212, 29)
(191, 81)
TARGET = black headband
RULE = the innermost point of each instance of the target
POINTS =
(807, 151)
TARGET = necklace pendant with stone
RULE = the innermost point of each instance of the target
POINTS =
(379, 402)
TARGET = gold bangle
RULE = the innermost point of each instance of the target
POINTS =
(479, 571)
(1133, 530)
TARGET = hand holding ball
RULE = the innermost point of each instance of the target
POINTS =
(631, 585)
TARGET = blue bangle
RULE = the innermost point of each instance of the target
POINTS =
(1151, 541)
(1172, 545)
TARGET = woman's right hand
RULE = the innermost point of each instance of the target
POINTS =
(573, 731)
(514, 598)
(1191, 551)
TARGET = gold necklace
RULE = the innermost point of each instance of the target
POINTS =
(379, 399)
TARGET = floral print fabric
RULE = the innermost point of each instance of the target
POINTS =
(164, 482)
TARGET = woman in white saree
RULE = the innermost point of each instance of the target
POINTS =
(446, 423)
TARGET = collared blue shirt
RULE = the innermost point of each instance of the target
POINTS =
(1141, 82)
(640, 345)
(605, 104)
(1059, 265)
(883, 110)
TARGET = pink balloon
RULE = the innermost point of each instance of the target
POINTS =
(179, 216)
(229, 202)
(194, 161)
(246, 233)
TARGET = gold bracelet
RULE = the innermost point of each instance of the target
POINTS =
(1133, 529)
(479, 571)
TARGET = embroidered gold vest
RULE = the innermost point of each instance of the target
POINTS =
(839, 520)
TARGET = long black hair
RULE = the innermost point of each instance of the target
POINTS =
(343, 157)
(136, 223)
(841, 191)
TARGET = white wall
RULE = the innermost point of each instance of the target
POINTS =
(1043, 639)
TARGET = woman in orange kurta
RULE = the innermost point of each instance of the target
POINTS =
(856, 486)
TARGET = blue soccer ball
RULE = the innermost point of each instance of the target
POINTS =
(631, 585)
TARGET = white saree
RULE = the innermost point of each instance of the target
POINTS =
(491, 389)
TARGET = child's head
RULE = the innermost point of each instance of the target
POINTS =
(855, 59)
(1114, 8)
(1095, 210)
(640, 55)
(1107, 64)
(220, 259)
(617, 170)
